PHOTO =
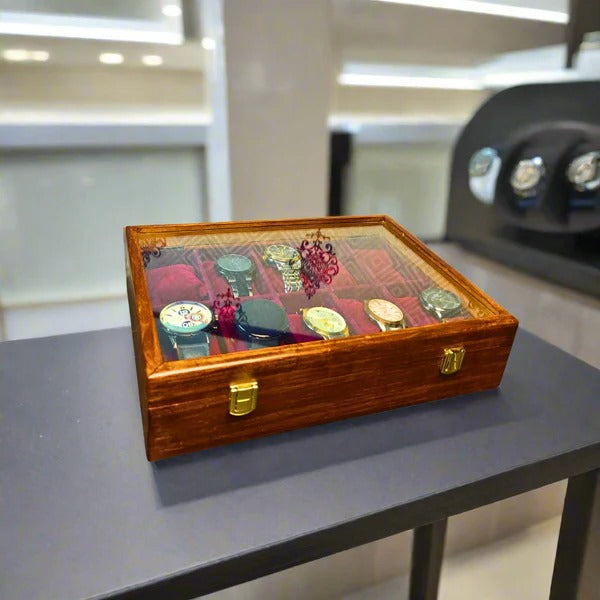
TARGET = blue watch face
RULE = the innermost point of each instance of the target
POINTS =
(481, 162)
(438, 299)
(236, 263)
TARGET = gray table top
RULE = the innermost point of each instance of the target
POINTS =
(83, 514)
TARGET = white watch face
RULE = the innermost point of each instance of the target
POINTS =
(185, 317)
(385, 311)
(527, 174)
(325, 319)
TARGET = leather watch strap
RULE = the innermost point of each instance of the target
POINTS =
(259, 343)
(200, 347)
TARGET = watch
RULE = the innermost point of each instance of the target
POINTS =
(584, 172)
(185, 323)
(261, 322)
(287, 261)
(526, 177)
(484, 167)
(325, 321)
(386, 314)
(238, 270)
(440, 303)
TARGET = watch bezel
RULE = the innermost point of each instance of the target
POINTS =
(530, 189)
(397, 324)
(591, 185)
(323, 332)
(440, 312)
(487, 154)
(292, 263)
(250, 331)
(172, 330)
(235, 272)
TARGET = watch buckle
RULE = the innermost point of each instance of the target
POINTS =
(243, 398)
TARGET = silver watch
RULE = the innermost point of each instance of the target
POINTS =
(484, 167)
(527, 176)
(238, 270)
(583, 172)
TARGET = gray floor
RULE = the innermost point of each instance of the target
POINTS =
(519, 566)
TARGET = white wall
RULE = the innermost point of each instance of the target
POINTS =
(62, 214)
(409, 182)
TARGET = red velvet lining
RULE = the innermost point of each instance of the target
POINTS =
(299, 332)
(356, 308)
(173, 283)
(368, 268)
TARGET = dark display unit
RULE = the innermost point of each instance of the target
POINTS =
(525, 182)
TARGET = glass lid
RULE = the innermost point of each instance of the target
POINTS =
(228, 292)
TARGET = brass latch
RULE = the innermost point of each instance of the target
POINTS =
(452, 361)
(243, 398)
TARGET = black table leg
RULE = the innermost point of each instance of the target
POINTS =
(427, 555)
(577, 566)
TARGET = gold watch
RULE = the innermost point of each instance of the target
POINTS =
(287, 261)
(386, 314)
(326, 322)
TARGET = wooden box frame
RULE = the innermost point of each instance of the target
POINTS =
(185, 404)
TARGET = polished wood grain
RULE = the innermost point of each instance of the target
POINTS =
(185, 404)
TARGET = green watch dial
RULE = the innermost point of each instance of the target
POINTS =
(234, 263)
(440, 302)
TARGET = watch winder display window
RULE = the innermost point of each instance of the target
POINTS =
(246, 290)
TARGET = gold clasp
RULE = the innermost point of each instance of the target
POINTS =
(452, 361)
(243, 398)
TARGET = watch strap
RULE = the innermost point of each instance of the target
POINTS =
(240, 285)
(259, 343)
(199, 347)
(291, 278)
(381, 325)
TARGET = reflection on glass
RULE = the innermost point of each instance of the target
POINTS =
(127, 20)
(264, 289)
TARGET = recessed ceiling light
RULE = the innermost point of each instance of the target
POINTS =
(111, 58)
(408, 81)
(152, 60)
(171, 10)
(208, 43)
(39, 55)
(15, 54)
(500, 9)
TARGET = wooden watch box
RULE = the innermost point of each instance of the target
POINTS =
(228, 348)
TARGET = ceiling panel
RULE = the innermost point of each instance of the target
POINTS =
(367, 31)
